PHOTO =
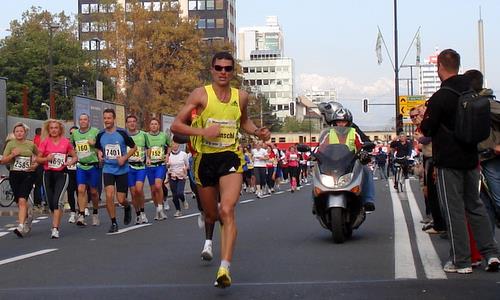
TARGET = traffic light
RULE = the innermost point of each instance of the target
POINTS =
(365, 105)
(292, 108)
(399, 123)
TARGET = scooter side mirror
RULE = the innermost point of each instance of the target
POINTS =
(303, 148)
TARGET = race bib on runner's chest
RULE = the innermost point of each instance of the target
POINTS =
(227, 135)
(138, 155)
(83, 148)
(112, 151)
(22, 163)
(57, 161)
(157, 153)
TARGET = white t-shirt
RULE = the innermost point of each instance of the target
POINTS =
(259, 157)
(177, 164)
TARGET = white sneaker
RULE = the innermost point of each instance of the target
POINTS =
(259, 194)
(138, 220)
(72, 218)
(177, 214)
(95, 220)
(201, 220)
(87, 212)
(450, 267)
(162, 215)
(144, 219)
(167, 207)
(54, 233)
(20, 230)
(186, 205)
(206, 253)
(81, 221)
(493, 265)
(157, 216)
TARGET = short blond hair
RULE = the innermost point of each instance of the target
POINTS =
(45, 130)
(20, 124)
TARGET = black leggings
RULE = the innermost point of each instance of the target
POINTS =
(72, 190)
(269, 177)
(55, 184)
(294, 172)
(260, 176)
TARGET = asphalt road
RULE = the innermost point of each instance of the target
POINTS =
(281, 253)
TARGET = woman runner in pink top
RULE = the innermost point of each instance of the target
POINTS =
(53, 151)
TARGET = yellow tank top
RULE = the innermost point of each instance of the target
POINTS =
(227, 115)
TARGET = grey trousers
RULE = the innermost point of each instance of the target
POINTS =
(458, 192)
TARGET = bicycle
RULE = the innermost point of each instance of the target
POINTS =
(399, 178)
(6, 194)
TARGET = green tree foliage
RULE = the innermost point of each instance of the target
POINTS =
(24, 60)
(269, 120)
(156, 57)
(291, 124)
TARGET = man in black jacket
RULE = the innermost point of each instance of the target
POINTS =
(457, 172)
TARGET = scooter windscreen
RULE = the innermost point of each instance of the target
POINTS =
(335, 159)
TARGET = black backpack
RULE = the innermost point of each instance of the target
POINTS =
(472, 119)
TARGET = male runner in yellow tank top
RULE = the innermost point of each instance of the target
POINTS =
(221, 112)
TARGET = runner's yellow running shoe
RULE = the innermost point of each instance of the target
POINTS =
(223, 279)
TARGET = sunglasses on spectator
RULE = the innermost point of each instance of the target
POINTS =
(228, 69)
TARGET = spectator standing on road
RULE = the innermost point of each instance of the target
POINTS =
(222, 111)
(19, 153)
(52, 153)
(381, 160)
(178, 166)
(112, 143)
(457, 171)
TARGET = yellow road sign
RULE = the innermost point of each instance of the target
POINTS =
(406, 103)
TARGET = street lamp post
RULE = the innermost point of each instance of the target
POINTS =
(51, 27)
(396, 64)
(97, 42)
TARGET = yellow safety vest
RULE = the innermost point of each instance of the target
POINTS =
(350, 141)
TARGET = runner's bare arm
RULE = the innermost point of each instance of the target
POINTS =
(74, 157)
(247, 124)
(196, 100)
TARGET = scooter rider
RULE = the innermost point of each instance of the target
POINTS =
(342, 117)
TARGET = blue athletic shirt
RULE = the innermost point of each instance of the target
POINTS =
(112, 145)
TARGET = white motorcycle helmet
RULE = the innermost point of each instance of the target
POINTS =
(328, 109)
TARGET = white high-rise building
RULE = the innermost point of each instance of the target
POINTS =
(265, 68)
(428, 79)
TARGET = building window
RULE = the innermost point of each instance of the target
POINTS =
(103, 8)
(245, 70)
(202, 23)
(313, 139)
(219, 23)
(156, 6)
(85, 9)
(252, 82)
(147, 5)
(252, 70)
(210, 23)
(192, 5)
(266, 81)
(111, 8)
(258, 69)
(94, 8)
(94, 26)
(103, 27)
(286, 107)
(273, 140)
(282, 139)
(85, 27)
(280, 107)
(210, 4)
(85, 45)
(219, 4)
(112, 26)
(128, 7)
(259, 82)
(201, 5)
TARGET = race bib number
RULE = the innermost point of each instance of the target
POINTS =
(83, 148)
(73, 167)
(293, 156)
(156, 153)
(227, 135)
(57, 161)
(138, 155)
(22, 163)
(112, 151)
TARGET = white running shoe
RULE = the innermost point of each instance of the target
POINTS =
(54, 233)
(157, 216)
(20, 230)
(81, 221)
(177, 214)
(167, 207)
(138, 220)
(87, 212)
(95, 220)
(186, 205)
(72, 218)
(162, 215)
(201, 220)
(144, 219)
(206, 253)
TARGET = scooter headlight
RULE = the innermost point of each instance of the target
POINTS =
(327, 180)
(334, 183)
(344, 180)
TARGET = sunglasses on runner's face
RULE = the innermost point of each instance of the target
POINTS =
(228, 69)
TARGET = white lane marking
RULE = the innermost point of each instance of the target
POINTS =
(404, 264)
(129, 228)
(24, 256)
(42, 218)
(428, 254)
(35, 221)
(12, 229)
(3, 233)
(188, 216)
(247, 201)
(280, 192)
(265, 196)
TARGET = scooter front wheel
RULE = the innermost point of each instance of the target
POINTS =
(338, 225)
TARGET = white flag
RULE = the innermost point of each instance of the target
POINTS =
(419, 48)
(378, 48)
